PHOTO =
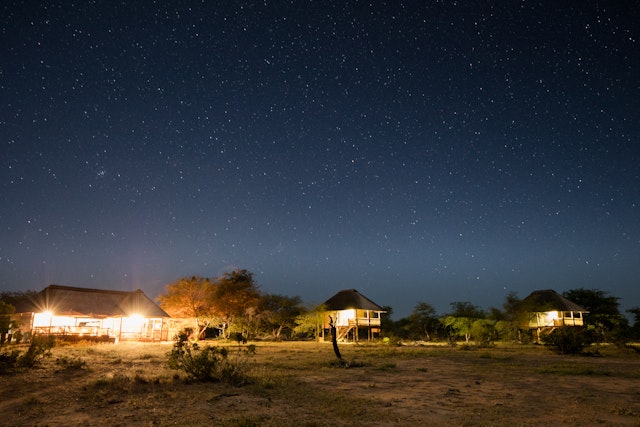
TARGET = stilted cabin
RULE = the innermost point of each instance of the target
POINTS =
(354, 315)
(547, 310)
(92, 314)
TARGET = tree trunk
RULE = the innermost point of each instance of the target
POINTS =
(334, 338)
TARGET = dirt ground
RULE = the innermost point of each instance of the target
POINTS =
(296, 384)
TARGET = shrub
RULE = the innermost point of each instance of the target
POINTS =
(484, 332)
(71, 364)
(39, 348)
(8, 361)
(209, 363)
(566, 340)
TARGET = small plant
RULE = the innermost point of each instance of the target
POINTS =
(39, 348)
(209, 363)
(386, 366)
(71, 364)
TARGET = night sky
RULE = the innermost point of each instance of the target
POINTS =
(432, 151)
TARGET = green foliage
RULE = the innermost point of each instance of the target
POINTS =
(422, 323)
(39, 348)
(507, 331)
(310, 322)
(567, 340)
(458, 326)
(466, 309)
(484, 332)
(604, 320)
(635, 328)
(278, 313)
(208, 363)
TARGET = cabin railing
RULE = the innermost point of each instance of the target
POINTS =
(364, 321)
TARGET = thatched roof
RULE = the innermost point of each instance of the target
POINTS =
(70, 301)
(349, 299)
(548, 300)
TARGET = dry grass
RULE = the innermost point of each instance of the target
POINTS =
(296, 384)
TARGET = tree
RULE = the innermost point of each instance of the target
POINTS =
(460, 320)
(190, 297)
(635, 328)
(422, 321)
(508, 319)
(311, 321)
(604, 318)
(235, 300)
(278, 312)
(6, 323)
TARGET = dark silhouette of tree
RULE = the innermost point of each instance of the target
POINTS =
(278, 313)
(6, 323)
(635, 328)
(604, 317)
(422, 321)
(235, 300)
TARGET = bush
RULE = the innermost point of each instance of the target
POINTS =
(567, 340)
(39, 348)
(71, 364)
(8, 361)
(484, 332)
(209, 363)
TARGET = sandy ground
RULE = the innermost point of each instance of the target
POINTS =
(297, 385)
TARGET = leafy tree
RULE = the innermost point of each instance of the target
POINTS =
(235, 300)
(484, 331)
(604, 318)
(311, 321)
(422, 322)
(460, 320)
(278, 312)
(508, 319)
(190, 297)
(635, 328)
(466, 309)
(13, 298)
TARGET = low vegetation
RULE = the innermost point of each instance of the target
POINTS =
(210, 363)
(299, 383)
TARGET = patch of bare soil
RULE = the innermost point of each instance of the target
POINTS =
(296, 384)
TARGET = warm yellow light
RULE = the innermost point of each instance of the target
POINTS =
(133, 323)
(42, 319)
(553, 315)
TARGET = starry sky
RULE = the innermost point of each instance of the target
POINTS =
(418, 151)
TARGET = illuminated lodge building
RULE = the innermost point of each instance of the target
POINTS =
(547, 310)
(353, 315)
(92, 314)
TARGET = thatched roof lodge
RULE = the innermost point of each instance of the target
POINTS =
(546, 310)
(92, 314)
(353, 313)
